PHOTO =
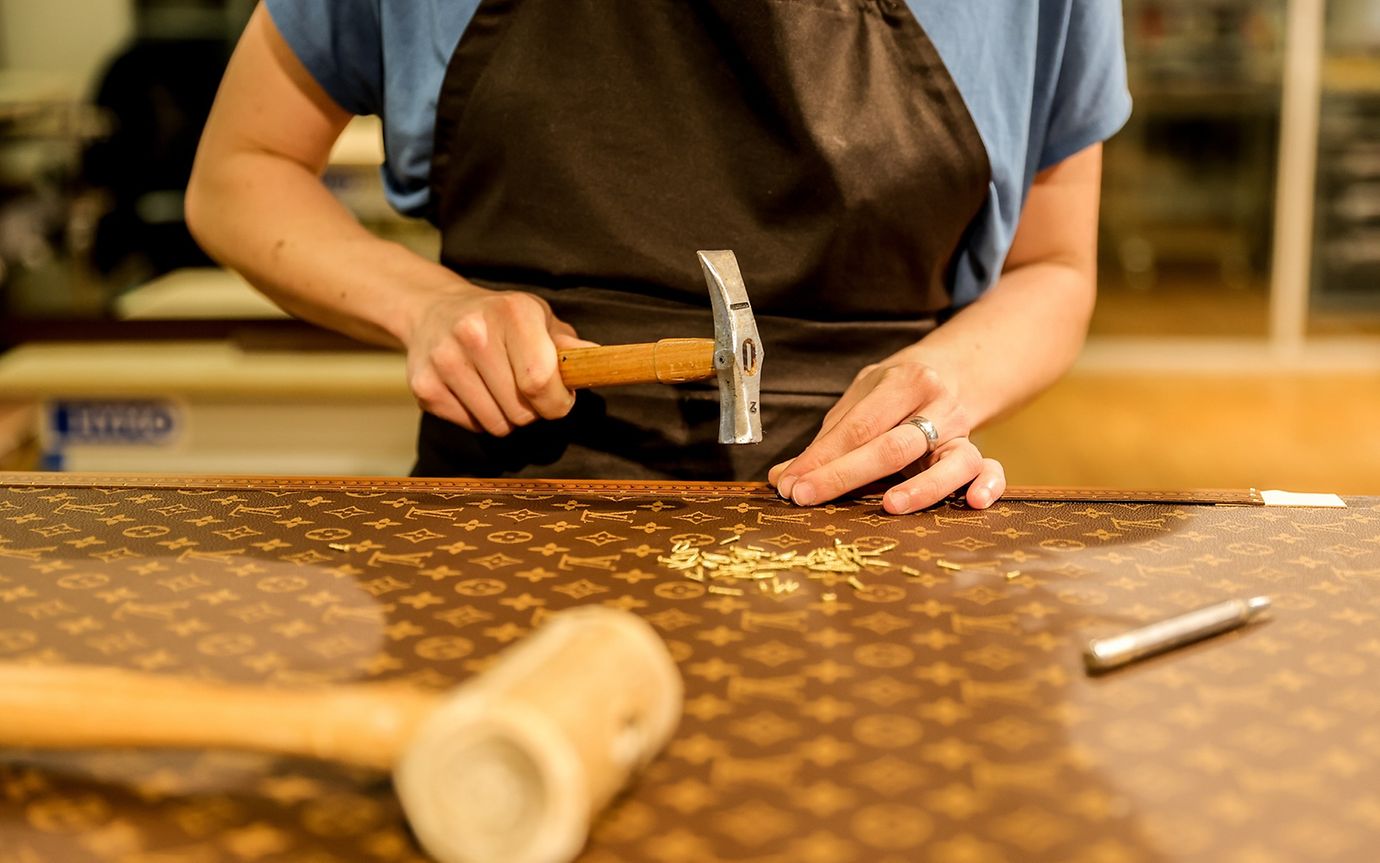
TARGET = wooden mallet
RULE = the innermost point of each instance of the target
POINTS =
(509, 767)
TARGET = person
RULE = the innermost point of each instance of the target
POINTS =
(910, 187)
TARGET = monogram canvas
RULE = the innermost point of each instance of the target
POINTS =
(929, 706)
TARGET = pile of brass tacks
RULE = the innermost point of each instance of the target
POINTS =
(770, 570)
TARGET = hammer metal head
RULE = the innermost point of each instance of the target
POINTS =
(737, 350)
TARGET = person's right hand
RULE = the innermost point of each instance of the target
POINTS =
(486, 360)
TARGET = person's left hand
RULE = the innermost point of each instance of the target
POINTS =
(866, 437)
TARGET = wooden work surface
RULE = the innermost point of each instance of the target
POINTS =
(935, 715)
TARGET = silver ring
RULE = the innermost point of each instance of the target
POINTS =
(927, 428)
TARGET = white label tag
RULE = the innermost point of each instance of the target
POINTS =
(1275, 497)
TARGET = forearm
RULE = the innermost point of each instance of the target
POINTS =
(478, 358)
(1026, 331)
(256, 202)
(1018, 339)
(272, 220)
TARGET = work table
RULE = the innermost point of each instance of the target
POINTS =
(928, 706)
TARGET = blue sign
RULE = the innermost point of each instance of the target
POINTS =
(141, 422)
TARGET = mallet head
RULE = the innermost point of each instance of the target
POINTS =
(737, 350)
(513, 765)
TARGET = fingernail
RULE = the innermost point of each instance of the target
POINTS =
(900, 501)
(981, 497)
(787, 483)
(803, 493)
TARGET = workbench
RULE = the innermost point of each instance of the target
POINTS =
(931, 707)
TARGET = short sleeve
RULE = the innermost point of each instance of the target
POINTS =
(340, 44)
(1091, 100)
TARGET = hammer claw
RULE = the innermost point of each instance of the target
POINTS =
(737, 349)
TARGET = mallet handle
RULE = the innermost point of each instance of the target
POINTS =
(669, 361)
(66, 706)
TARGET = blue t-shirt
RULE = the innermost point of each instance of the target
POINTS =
(1042, 80)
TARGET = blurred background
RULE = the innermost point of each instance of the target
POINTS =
(1236, 340)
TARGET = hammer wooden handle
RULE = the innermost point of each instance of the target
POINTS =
(63, 706)
(669, 361)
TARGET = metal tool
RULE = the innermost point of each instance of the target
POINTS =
(1104, 654)
(734, 355)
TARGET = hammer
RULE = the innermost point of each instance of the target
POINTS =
(734, 354)
(509, 767)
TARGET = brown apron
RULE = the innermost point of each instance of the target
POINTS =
(585, 149)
